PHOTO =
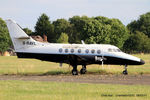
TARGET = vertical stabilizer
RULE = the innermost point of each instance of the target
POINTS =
(19, 38)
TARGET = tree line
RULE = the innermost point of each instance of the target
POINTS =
(133, 38)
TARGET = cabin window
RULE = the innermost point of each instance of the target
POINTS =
(66, 50)
(87, 51)
(98, 51)
(60, 50)
(93, 51)
(109, 50)
(79, 50)
(72, 50)
(114, 50)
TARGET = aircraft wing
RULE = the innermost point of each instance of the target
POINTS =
(78, 59)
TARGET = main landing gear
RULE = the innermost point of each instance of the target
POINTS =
(83, 70)
(75, 71)
(125, 72)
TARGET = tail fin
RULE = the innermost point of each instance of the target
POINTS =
(19, 38)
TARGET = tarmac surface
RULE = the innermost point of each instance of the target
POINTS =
(93, 79)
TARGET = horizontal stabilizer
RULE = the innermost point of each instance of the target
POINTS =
(23, 37)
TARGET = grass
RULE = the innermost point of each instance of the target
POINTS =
(29, 90)
(34, 90)
(13, 65)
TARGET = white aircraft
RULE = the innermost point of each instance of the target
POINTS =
(73, 54)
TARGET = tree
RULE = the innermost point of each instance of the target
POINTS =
(119, 33)
(100, 30)
(28, 31)
(77, 23)
(4, 37)
(97, 32)
(137, 42)
(63, 38)
(141, 25)
(44, 26)
(62, 26)
(139, 39)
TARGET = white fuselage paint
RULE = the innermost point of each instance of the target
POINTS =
(53, 48)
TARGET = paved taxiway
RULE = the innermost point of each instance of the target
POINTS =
(95, 79)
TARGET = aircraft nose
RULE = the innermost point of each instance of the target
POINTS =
(142, 62)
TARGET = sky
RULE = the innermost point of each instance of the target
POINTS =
(26, 12)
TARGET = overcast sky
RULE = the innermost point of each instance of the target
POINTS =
(26, 12)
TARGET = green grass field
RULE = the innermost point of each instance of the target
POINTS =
(34, 90)
(13, 65)
(28, 90)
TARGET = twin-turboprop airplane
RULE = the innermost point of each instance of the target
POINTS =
(73, 54)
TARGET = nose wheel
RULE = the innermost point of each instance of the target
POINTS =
(125, 72)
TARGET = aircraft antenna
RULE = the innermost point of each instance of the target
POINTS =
(82, 42)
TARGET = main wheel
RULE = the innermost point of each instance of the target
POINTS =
(83, 71)
(125, 72)
(74, 72)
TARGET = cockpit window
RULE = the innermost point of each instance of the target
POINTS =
(118, 50)
(114, 50)
(109, 50)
